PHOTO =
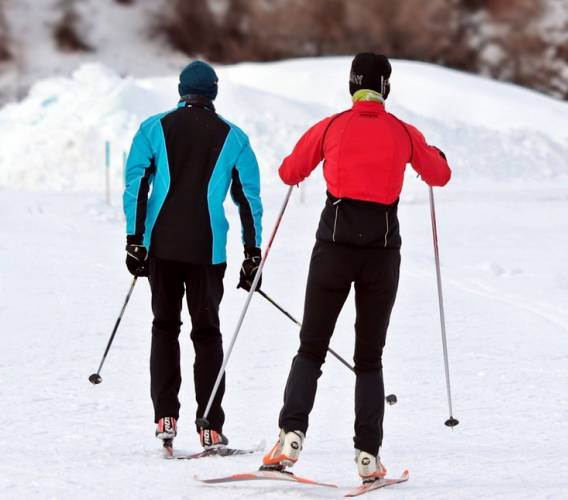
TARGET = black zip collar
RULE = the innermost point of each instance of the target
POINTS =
(197, 100)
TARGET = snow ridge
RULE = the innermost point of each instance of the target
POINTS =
(488, 129)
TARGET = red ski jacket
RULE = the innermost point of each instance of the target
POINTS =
(365, 151)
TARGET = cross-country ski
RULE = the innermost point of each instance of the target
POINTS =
(264, 475)
(222, 451)
(168, 448)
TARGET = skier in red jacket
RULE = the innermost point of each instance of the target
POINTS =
(365, 151)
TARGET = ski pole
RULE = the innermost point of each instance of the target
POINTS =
(294, 320)
(202, 422)
(96, 378)
(451, 422)
(391, 399)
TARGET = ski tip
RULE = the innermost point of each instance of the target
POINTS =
(381, 483)
(200, 479)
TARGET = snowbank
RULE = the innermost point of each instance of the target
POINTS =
(55, 139)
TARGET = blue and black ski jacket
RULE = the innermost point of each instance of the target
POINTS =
(179, 170)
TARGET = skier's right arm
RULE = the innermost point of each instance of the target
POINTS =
(306, 155)
(137, 179)
(428, 161)
(138, 174)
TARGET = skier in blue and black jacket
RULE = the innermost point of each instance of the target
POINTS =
(180, 168)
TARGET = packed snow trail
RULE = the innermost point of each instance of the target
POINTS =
(508, 364)
(502, 244)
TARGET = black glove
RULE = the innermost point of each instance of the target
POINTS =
(250, 268)
(136, 256)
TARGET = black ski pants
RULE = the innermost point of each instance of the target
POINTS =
(203, 285)
(333, 268)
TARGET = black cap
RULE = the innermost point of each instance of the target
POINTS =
(370, 71)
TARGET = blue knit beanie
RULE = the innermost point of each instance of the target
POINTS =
(199, 78)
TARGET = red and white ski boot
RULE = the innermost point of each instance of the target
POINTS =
(285, 452)
(166, 430)
(211, 439)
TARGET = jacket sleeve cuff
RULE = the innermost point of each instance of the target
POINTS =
(252, 252)
(134, 239)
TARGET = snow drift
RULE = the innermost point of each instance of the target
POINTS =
(55, 139)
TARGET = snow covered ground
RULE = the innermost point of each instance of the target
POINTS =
(503, 237)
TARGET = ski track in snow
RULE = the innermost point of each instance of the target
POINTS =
(503, 245)
(59, 304)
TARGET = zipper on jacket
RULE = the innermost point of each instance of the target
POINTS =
(387, 231)
(336, 203)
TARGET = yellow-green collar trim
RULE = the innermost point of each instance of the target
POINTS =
(368, 95)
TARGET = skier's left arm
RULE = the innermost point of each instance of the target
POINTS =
(245, 192)
(429, 161)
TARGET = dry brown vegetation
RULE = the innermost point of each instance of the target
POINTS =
(67, 32)
(500, 38)
(5, 53)
(504, 39)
